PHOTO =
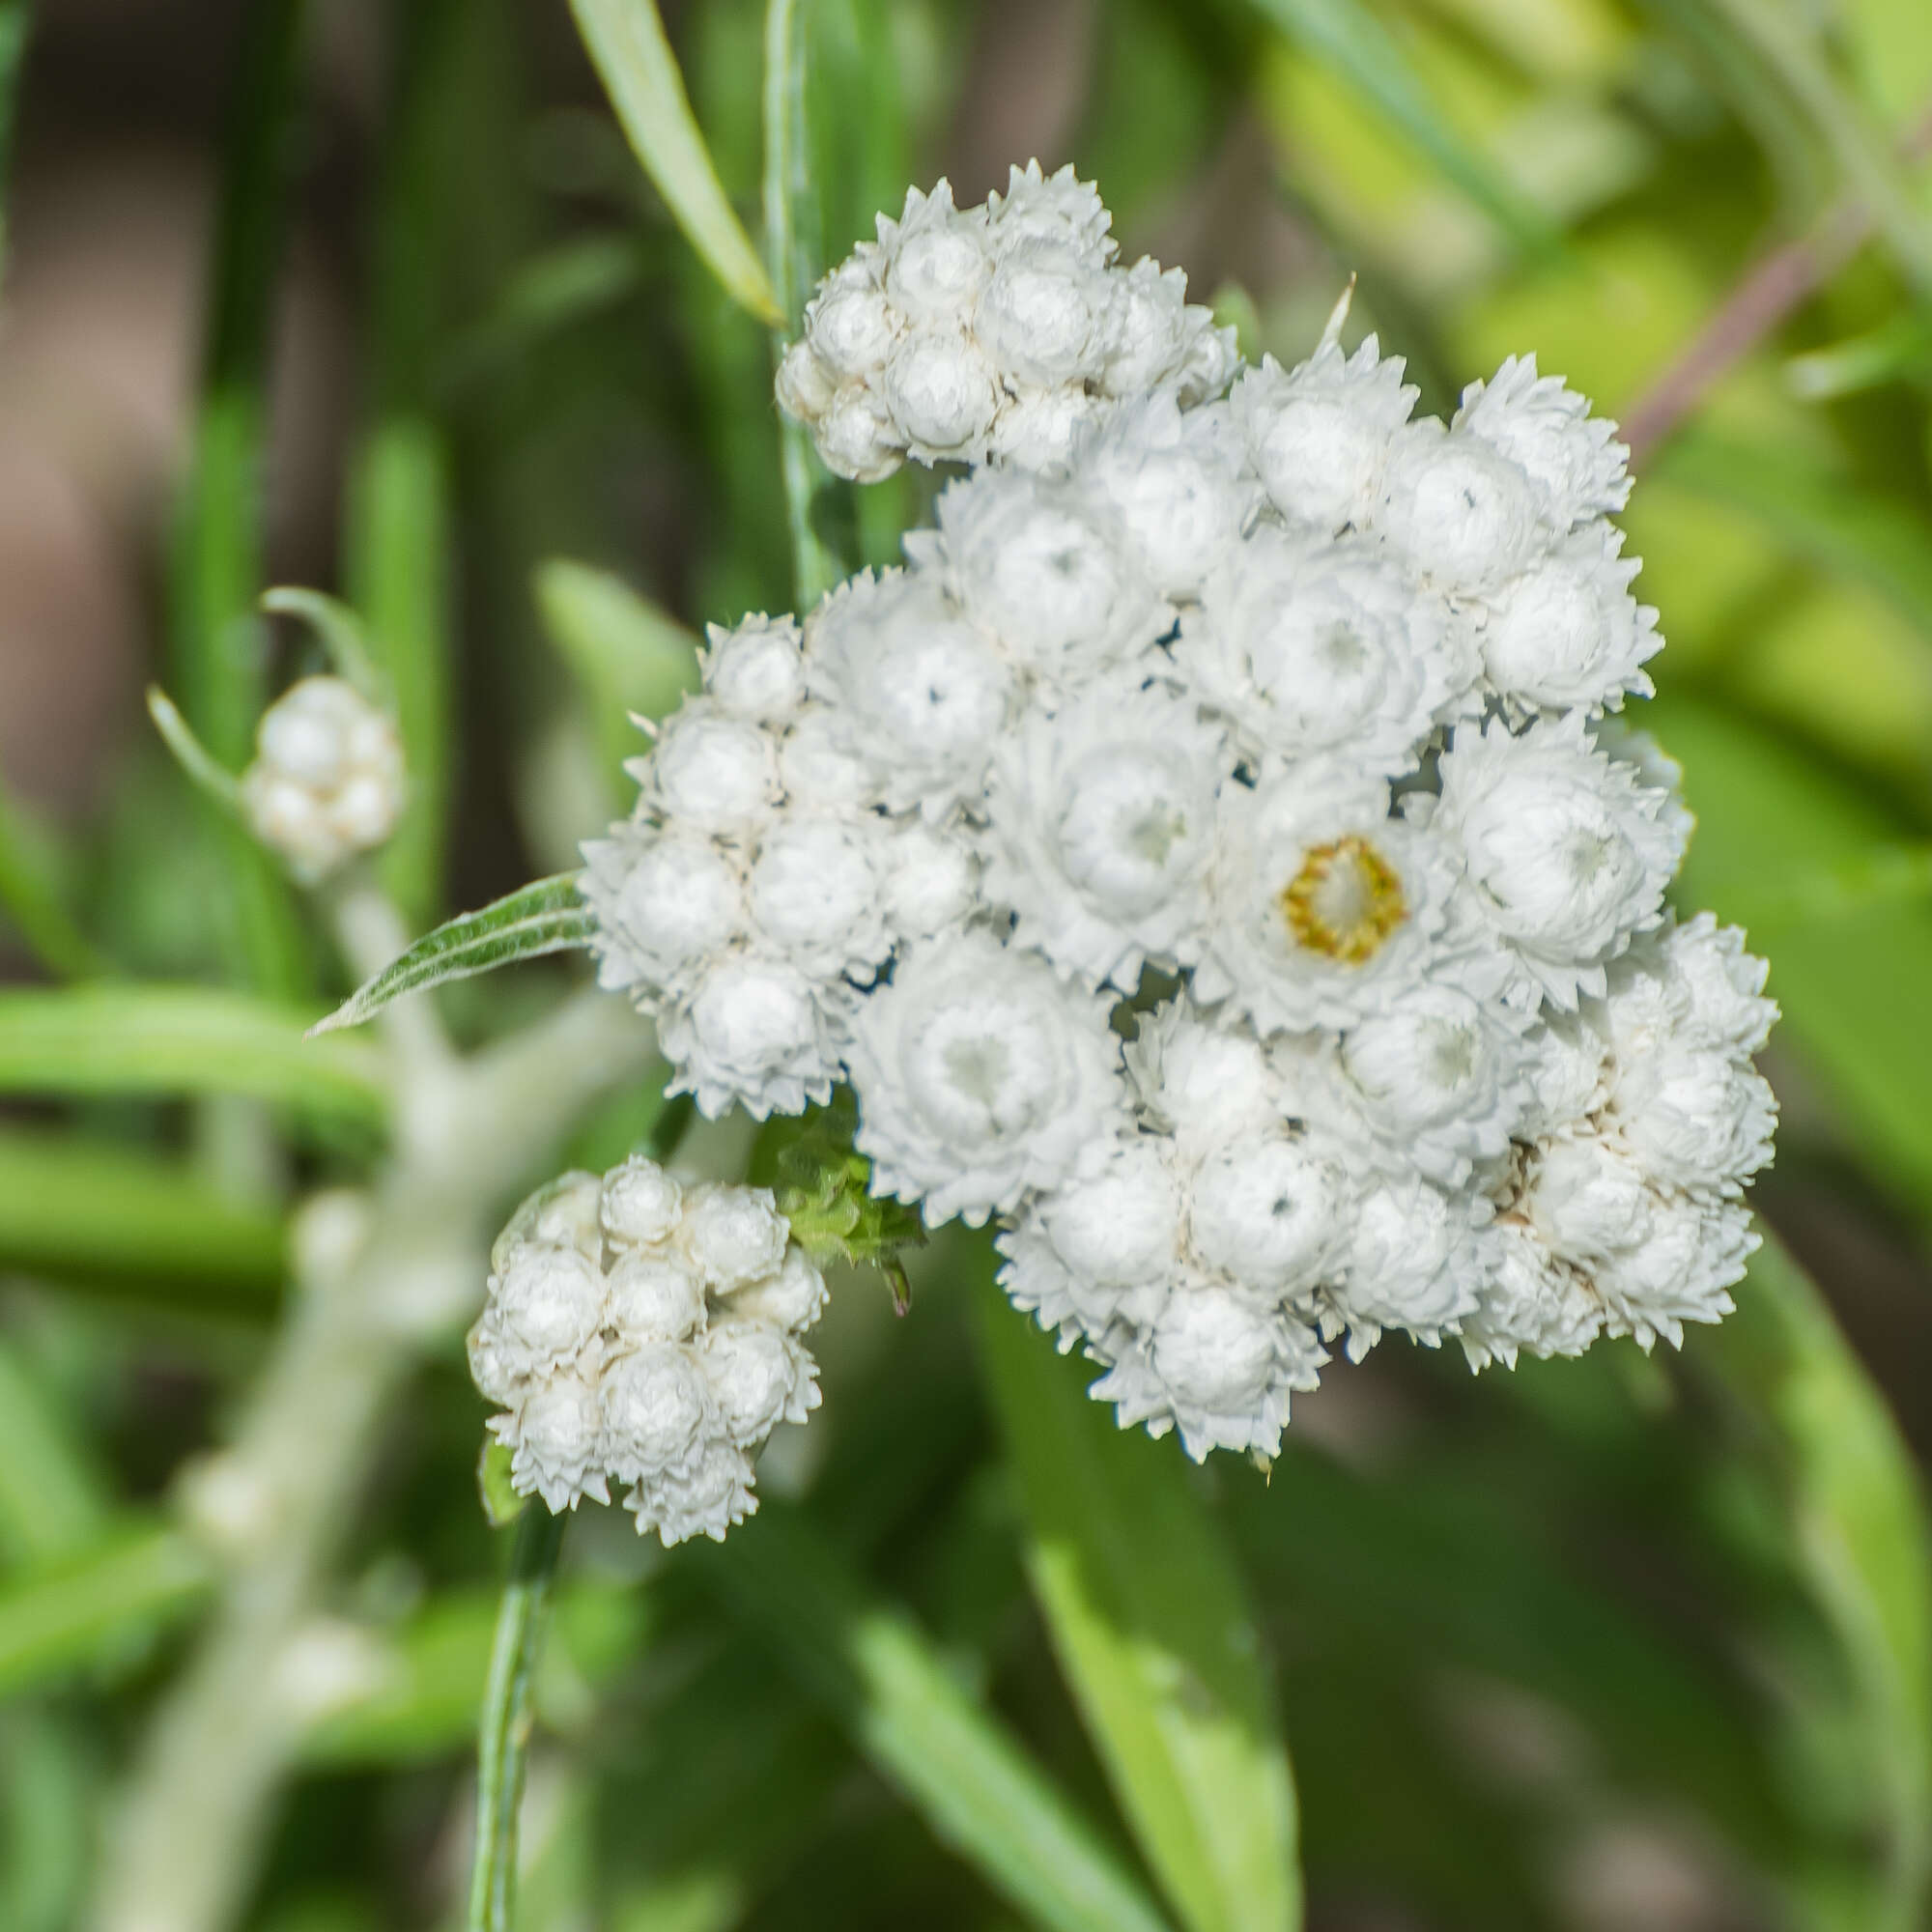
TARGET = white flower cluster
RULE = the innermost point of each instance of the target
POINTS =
(1266, 733)
(643, 1332)
(327, 777)
(990, 332)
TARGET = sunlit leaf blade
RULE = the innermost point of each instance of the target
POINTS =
(627, 45)
(628, 654)
(59, 1618)
(94, 1213)
(1876, 540)
(1852, 987)
(1899, 350)
(878, 1674)
(548, 916)
(1858, 1526)
(1786, 39)
(1346, 37)
(1150, 1618)
(178, 1039)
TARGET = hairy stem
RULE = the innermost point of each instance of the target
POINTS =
(381, 1275)
(509, 1711)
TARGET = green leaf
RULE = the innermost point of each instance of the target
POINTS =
(100, 1215)
(74, 1614)
(627, 45)
(212, 778)
(1151, 1624)
(630, 655)
(951, 1759)
(28, 895)
(178, 1039)
(547, 295)
(341, 633)
(1858, 1526)
(501, 1504)
(1896, 351)
(1853, 985)
(547, 915)
(1876, 540)
(52, 1497)
(1790, 47)
(1346, 37)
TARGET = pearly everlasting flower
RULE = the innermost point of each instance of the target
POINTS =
(755, 671)
(1320, 435)
(1027, 563)
(657, 1348)
(978, 1075)
(1099, 822)
(1568, 632)
(1568, 853)
(1573, 457)
(1174, 484)
(1312, 647)
(1324, 908)
(327, 777)
(919, 694)
(1267, 696)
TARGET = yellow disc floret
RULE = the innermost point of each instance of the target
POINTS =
(1345, 901)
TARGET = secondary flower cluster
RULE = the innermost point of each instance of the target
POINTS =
(1266, 733)
(992, 331)
(641, 1332)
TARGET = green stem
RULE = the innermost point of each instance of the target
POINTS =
(509, 1713)
(792, 243)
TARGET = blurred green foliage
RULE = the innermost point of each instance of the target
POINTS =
(981, 1660)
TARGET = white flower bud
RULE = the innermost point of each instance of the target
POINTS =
(942, 393)
(733, 1235)
(654, 1297)
(639, 1204)
(327, 777)
(757, 671)
(759, 1377)
(712, 773)
(657, 1408)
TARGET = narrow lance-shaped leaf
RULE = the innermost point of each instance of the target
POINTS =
(1150, 1618)
(178, 1039)
(209, 776)
(1347, 37)
(954, 1761)
(630, 656)
(547, 915)
(340, 632)
(627, 45)
(1859, 1527)
(31, 902)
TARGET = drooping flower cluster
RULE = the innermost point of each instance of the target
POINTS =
(1264, 732)
(646, 1333)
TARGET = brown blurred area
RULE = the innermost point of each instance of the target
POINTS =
(110, 211)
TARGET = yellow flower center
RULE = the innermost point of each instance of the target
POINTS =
(1345, 901)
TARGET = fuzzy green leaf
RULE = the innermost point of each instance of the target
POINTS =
(627, 45)
(547, 915)
(1151, 1621)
